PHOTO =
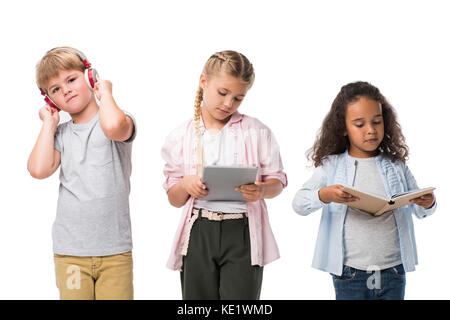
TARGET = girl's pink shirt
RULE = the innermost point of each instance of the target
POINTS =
(259, 148)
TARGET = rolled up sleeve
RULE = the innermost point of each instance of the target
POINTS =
(306, 199)
(172, 153)
(271, 165)
(419, 212)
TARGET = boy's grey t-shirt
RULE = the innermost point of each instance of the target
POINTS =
(93, 216)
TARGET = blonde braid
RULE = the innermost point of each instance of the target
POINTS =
(197, 117)
(221, 56)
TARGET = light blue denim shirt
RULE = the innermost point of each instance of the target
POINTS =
(340, 169)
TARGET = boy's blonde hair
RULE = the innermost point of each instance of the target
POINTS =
(55, 61)
(231, 63)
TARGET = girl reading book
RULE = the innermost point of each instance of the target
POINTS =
(361, 145)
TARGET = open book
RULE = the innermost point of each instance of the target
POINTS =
(377, 205)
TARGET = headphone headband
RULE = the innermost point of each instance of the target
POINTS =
(80, 55)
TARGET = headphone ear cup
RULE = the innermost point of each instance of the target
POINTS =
(48, 100)
(50, 103)
(90, 75)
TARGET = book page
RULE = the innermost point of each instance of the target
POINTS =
(414, 193)
(368, 202)
(403, 200)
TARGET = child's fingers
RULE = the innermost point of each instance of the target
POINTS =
(53, 111)
(201, 185)
(423, 203)
(422, 199)
(419, 201)
(45, 110)
(200, 195)
(247, 190)
(247, 193)
(251, 195)
(427, 197)
(248, 187)
(201, 192)
(347, 198)
(251, 199)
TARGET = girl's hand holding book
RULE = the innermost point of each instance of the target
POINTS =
(335, 193)
(426, 201)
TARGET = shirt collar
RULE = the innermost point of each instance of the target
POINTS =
(350, 160)
(235, 117)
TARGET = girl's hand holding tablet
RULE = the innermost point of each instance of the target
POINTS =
(252, 192)
(194, 186)
(261, 190)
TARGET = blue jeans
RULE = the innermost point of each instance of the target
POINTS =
(354, 284)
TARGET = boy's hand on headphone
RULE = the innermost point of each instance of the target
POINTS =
(102, 88)
(49, 115)
(335, 193)
(252, 192)
(194, 186)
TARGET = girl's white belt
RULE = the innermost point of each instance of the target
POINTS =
(210, 215)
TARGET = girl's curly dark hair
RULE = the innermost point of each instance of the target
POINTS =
(331, 139)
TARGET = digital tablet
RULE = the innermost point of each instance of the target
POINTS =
(221, 181)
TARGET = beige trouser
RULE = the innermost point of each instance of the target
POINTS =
(95, 278)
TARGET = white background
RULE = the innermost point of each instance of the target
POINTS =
(153, 52)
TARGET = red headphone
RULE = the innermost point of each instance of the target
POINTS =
(90, 74)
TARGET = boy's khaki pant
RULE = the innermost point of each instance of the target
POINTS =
(95, 278)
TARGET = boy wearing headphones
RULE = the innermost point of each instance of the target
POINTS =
(92, 230)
